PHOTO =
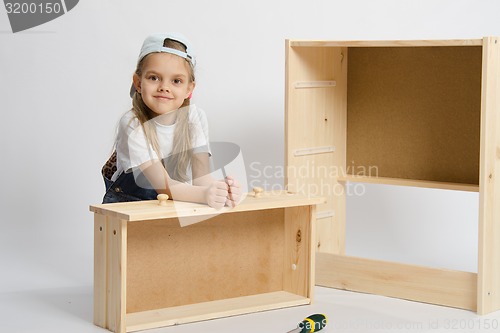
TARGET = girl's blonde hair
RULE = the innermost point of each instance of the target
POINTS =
(178, 162)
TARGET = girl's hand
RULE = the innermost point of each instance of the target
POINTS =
(216, 194)
(234, 192)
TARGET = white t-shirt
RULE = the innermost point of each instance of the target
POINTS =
(133, 148)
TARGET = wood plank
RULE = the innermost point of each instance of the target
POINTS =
(327, 239)
(211, 310)
(489, 196)
(338, 228)
(150, 210)
(423, 284)
(311, 271)
(410, 182)
(317, 118)
(297, 262)
(290, 73)
(385, 43)
(100, 271)
(117, 274)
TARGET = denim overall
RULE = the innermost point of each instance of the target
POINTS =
(125, 188)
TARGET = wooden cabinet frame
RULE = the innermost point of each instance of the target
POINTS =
(412, 113)
(151, 272)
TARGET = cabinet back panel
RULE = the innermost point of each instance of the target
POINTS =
(414, 112)
(230, 255)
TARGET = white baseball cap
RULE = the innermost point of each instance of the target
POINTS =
(154, 43)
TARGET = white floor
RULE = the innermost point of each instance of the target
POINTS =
(70, 310)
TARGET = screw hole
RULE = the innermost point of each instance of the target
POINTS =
(114, 232)
(100, 228)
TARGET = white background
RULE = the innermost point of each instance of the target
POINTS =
(65, 84)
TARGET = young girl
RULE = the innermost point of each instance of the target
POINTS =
(162, 144)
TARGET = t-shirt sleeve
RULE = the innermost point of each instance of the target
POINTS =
(199, 125)
(133, 148)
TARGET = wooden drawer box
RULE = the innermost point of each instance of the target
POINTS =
(411, 113)
(151, 272)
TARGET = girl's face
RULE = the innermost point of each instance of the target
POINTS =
(164, 82)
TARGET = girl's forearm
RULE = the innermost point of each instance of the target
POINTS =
(162, 183)
(186, 192)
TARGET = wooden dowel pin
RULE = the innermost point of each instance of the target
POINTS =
(257, 191)
(162, 199)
